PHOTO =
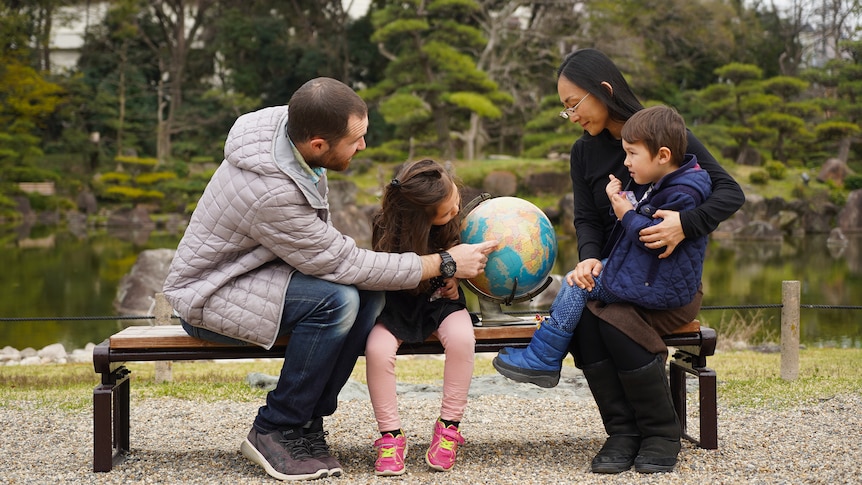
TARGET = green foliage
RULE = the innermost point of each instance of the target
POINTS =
(739, 73)
(776, 170)
(476, 103)
(115, 178)
(853, 182)
(759, 177)
(404, 108)
(834, 130)
(390, 151)
(154, 177)
(28, 174)
(136, 162)
(39, 203)
(132, 194)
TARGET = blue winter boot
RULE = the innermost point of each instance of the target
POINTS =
(540, 362)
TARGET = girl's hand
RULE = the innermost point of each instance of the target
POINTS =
(583, 274)
(668, 233)
(449, 289)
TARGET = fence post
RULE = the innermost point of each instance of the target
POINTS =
(790, 291)
(162, 312)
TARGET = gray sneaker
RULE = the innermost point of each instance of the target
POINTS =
(284, 455)
(319, 449)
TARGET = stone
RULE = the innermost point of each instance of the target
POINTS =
(833, 169)
(346, 216)
(53, 353)
(547, 183)
(850, 217)
(500, 183)
(137, 289)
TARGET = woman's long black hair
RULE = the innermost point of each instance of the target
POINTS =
(589, 68)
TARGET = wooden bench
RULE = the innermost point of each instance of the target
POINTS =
(111, 398)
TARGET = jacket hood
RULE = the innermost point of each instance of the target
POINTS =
(258, 142)
(698, 180)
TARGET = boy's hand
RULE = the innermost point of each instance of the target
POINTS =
(619, 202)
(615, 186)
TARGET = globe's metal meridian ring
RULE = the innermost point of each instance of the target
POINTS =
(512, 297)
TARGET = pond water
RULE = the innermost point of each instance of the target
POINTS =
(62, 278)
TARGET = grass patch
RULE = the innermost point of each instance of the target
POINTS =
(746, 379)
(751, 379)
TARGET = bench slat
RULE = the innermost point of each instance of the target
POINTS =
(174, 337)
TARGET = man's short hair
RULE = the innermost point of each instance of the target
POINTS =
(321, 108)
(656, 127)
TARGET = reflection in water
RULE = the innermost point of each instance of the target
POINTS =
(79, 276)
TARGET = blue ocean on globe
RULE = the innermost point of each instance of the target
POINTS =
(525, 256)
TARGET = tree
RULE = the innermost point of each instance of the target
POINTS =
(26, 101)
(839, 83)
(179, 23)
(432, 84)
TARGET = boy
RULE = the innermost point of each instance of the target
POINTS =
(654, 140)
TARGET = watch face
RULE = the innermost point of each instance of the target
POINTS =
(448, 269)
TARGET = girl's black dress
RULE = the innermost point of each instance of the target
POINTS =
(413, 318)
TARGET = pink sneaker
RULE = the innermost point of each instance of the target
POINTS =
(390, 455)
(444, 447)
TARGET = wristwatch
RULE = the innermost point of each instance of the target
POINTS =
(448, 266)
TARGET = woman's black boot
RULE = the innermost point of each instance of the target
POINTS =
(648, 392)
(618, 453)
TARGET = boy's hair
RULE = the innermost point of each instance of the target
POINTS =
(410, 202)
(321, 108)
(656, 127)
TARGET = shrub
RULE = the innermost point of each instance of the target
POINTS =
(853, 182)
(137, 161)
(132, 194)
(154, 177)
(114, 178)
(776, 170)
(759, 177)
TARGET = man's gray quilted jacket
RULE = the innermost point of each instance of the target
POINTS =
(260, 219)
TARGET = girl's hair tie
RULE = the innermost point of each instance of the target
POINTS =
(395, 183)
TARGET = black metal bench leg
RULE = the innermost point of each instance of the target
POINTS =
(111, 420)
(122, 397)
(102, 439)
(677, 391)
(708, 408)
(707, 393)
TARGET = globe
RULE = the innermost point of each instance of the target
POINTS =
(518, 268)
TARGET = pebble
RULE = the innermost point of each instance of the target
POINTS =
(514, 433)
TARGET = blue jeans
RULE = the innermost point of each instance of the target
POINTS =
(568, 306)
(328, 324)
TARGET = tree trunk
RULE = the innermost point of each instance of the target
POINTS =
(844, 149)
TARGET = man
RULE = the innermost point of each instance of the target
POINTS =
(261, 259)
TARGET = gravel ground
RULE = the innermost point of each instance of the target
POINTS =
(516, 433)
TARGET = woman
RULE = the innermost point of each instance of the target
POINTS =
(619, 346)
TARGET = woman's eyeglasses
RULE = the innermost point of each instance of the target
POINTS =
(564, 114)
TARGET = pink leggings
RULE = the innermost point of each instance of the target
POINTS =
(456, 335)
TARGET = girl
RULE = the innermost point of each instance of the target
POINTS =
(419, 214)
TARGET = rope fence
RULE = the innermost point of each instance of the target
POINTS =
(513, 312)
(790, 320)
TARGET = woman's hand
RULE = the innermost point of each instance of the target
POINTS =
(668, 233)
(583, 274)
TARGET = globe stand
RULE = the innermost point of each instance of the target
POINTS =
(491, 310)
